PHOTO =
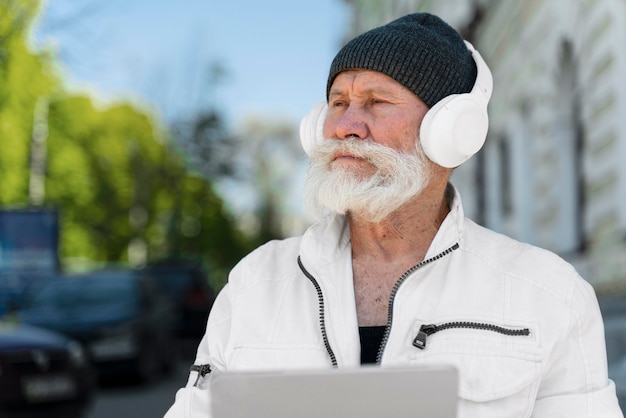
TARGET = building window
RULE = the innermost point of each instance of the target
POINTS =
(480, 189)
(569, 143)
(506, 192)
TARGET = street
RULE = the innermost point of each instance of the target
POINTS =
(146, 401)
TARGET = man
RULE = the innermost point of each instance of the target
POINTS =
(392, 272)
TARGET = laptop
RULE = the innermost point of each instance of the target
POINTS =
(366, 392)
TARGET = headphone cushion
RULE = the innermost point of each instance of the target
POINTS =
(312, 127)
(453, 130)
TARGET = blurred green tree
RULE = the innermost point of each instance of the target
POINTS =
(24, 77)
(124, 193)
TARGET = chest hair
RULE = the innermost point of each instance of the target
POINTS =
(373, 283)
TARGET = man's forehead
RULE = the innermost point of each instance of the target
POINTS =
(365, 81)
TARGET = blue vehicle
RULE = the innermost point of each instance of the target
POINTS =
(186, 284)
(42, 373)
(29, 241)
(121, 317)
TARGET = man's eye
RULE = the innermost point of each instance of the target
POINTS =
(338, 104)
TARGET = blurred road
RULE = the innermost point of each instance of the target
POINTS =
(133, 400)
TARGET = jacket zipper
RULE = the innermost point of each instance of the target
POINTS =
(394, 291)
(320, 298)
(430, 329)
(202, 369)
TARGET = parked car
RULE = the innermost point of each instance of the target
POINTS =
(13, 285)
(121, 317)
(42, 374)
(186, 283)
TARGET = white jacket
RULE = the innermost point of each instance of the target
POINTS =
(526, 333)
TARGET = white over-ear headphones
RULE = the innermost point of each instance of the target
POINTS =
(452, 130)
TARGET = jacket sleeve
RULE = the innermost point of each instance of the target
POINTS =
(194, 400)
(575, 382)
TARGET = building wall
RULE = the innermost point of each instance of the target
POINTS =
(553, 170)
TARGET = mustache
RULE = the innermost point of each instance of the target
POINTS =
(366, 149)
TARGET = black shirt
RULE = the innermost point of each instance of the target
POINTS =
(371, 338)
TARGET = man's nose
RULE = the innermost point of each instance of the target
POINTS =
(352, 123)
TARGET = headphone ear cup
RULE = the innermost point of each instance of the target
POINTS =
(454, 129)
(312, 127)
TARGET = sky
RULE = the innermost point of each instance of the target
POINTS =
(274, 57)
(274, 54)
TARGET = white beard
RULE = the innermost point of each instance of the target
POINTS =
(398, 178)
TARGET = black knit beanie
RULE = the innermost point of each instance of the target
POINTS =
(419, 51)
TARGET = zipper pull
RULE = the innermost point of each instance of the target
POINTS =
(202, 369)
(420, 340)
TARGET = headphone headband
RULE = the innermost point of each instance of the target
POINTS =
(484, 80)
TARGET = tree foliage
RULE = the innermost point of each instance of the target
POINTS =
(24, 77)
(207, 143)
(124, 194)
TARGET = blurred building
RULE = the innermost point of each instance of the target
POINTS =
(553, 170)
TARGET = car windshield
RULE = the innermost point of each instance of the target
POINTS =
(84, 292)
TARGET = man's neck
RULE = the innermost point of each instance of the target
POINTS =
(407, 232)
(382, 252)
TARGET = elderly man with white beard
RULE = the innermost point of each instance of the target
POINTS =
(392, 273)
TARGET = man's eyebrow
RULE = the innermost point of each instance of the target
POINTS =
(335, 93)
(367, 92)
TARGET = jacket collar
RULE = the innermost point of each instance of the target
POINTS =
(451, 230)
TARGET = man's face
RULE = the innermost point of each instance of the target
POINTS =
(370, 165)
(373, 107)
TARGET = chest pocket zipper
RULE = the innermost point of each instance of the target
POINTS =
(429, 329)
